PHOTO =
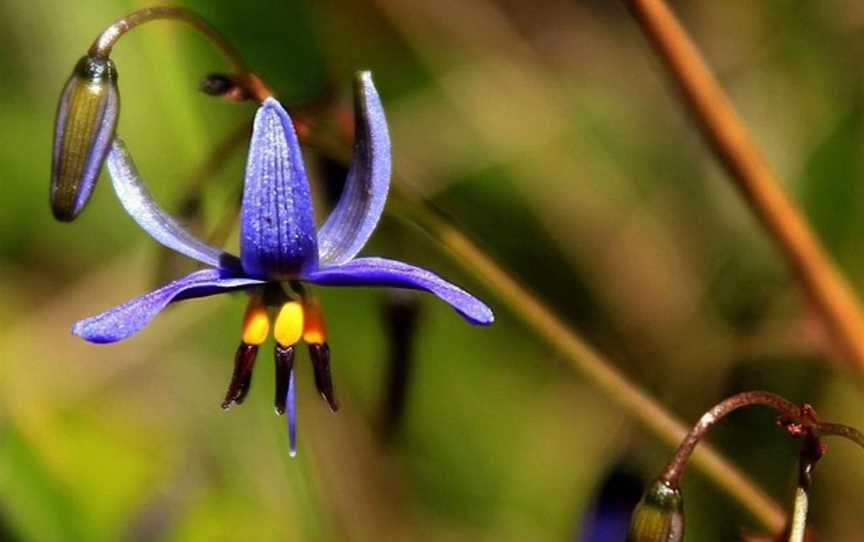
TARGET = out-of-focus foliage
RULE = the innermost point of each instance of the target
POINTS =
(547, 131)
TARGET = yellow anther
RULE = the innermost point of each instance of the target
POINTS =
(289, 324)
(256, 323)
(314, 330)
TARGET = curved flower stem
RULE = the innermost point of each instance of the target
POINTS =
(673, 471)
(720, 124)
(839, 430)
(798, 421)
(103, 44)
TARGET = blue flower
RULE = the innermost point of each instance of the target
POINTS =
(280, 249)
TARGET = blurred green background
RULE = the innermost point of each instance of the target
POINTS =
(549, 133)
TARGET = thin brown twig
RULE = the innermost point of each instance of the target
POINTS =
(798, 421)
(843, 431)
(673, 471)
(761, 188)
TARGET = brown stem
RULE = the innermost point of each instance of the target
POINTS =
(799, 422)
(105, 42)
(720, 124)
(673, 471)
(840, 430)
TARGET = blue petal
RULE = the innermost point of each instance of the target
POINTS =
(382, 272)
(277, 234)
(139, 203)
(127, 319)
(355, 216)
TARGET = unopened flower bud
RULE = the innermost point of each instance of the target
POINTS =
(659, 516)
(83, 130)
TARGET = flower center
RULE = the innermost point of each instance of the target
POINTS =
(295, 320)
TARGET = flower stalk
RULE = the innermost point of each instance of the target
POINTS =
(105, 42)
(89, 106)
(675, 468)
(798, 421)
(653, 523)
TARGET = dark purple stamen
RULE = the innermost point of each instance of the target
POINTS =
(241, 379)
(284, 358)
(320, 354)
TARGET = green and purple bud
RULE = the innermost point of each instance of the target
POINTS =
(83, 130)
(659, 516)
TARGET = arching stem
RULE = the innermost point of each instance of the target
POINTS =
(673, 471)
(840, 430)
(798, 421)
(105, 42)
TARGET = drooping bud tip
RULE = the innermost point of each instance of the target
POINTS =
(84, 127)
(659, 516)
